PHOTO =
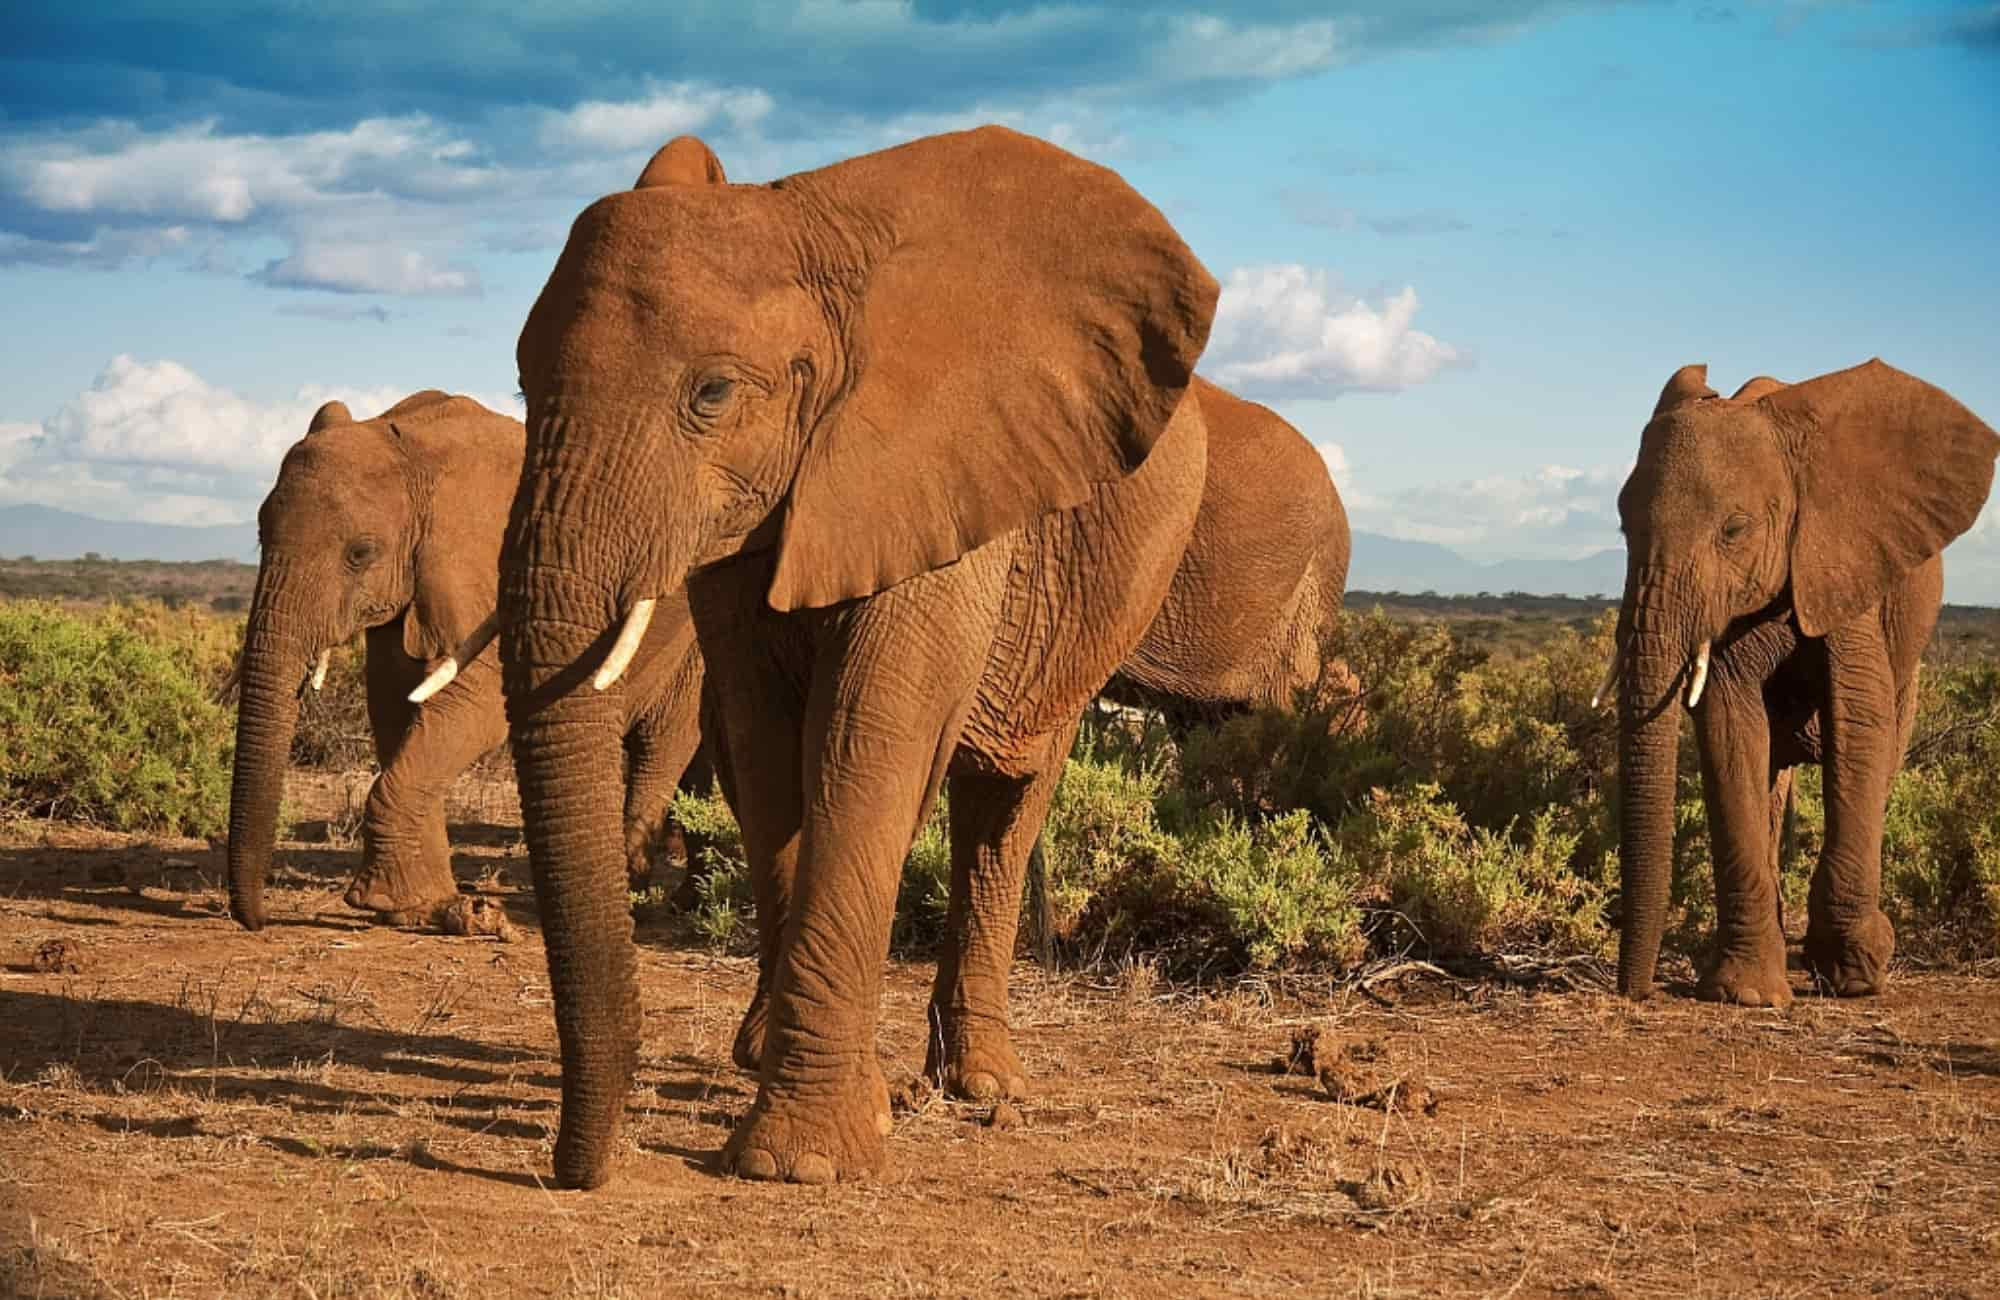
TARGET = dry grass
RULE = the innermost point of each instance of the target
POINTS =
(329, 1110)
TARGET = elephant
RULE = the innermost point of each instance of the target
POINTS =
(1783, 575)
(1245, 623)
(392, 526)
(910, 429)
(1257, 595)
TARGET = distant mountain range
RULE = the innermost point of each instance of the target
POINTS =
(1380, 563)
(1392, 564)
(51, 534)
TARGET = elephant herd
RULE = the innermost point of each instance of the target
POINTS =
(868, 479)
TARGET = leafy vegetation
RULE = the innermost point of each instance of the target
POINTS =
(1465, 804)
(1461, 801)
(107, 719)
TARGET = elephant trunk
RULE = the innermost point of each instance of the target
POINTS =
(274, 662)
(582, 555)
(567, 757)
(1649, 765)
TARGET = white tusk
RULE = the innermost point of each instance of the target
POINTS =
(447, 670)
(625, 646)
(1700, 675)
(440, 677)
(1610, 676)
(319, 669)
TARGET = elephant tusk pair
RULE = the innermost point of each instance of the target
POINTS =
(447, 669)
(1700, 675)
(626, 646)
(614, 666)
(1612, 674)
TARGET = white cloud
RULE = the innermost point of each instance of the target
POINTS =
(152, 440)
(1555, 512)
(375, 208)
(367, 268)
(1289, 331)
(196, 174)
(1200, 47)
(613, 127)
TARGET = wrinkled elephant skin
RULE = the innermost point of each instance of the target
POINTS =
(923, 460)
(392, 527)
(1783, 578)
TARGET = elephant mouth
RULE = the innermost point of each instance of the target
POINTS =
(631, 635)
(1615, 672)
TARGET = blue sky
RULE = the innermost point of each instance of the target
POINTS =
(1462, 243)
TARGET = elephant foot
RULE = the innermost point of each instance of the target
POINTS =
(748, 1050)
(1749, 975)
(399, 895)
(972, 1057)
(1851, 960)
(645, 846)
(824, 1139)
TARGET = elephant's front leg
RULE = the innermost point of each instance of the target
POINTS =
(1848, 939)
(881, 721)
(1744, 795)
(406, 857)
(995, 821)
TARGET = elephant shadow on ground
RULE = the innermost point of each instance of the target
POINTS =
(243, 1049)
(186, 881)
(137, 1057)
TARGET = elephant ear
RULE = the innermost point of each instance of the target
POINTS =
(329, 416)
(1689, 384)
(1024, 326)
(463, 463)
(1889, 470)
(683, 160)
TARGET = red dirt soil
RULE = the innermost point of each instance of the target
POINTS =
(329, 1109)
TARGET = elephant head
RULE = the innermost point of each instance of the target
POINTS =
(870, 370)
(1811, 499)
(353, 535)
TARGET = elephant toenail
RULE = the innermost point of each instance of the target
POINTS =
(757, 1165)
(979, 1086)
(885, 1123)
(812, 1168)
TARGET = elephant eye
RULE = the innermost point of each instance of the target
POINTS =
(1735, 526)
(361, 554)
(712, 397)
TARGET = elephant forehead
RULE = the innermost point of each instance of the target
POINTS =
(1709, 455)
(345, 477)
(677, 251)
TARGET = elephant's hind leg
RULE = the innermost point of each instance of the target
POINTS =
(1849, 940)
(995, 821)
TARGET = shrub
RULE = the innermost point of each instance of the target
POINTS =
(1467, 888)
(108, 719)
(725, 915)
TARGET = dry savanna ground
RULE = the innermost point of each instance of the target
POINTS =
(333, 1110)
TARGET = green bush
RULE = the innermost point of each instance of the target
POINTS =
(107, 719)
(1468, 806)
(1466, 888)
